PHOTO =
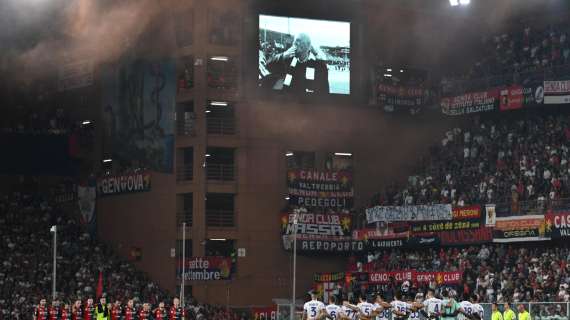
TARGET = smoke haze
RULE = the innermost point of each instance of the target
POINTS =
(82, 29)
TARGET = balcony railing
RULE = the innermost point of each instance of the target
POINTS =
(186, 127)
(220, 218)
(220, 172)
(184, 216)
(184, 173)
(223, 126)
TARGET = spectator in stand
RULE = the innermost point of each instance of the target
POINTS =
(25, 279)
(524, 50)
(495, 272)
(33, 123)
(493, 161)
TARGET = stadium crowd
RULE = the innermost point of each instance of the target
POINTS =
(507, 160)
(33, 122)
(26, 247)
(524, 49)
(495, 272)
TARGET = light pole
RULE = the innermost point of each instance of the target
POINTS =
(182, 279)
(53, 286)
(295, 221)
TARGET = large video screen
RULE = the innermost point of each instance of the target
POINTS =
(304, 56)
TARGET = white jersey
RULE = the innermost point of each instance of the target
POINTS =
(349, 313)
(366, 308)
(414, 315)
(467, 307)
(433, 306)
(400, 306)
(313, 309)
(384, 314)
(478, 309)
(334, 311)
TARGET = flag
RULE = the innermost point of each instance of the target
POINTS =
(99, 291)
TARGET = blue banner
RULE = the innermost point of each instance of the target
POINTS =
(139, 98)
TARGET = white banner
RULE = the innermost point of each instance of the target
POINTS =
(433, 212)
(563, 99)
(490, 215)
(86, 199)
(557, 86)
(557, 92)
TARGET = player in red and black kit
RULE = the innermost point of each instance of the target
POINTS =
(55, 310)
(116, 311)
(41, 312)
(65, 312)
(160, 312)
(145, 313)
(130, 311)
(89, 310)
(77, 311)
(176, 312)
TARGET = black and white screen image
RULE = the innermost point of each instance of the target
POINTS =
(304, 55)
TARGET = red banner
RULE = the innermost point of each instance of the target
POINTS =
(267, 313)
(464, 213)
(457, 237)
(384, 277)
(454, 277)
(511, 98)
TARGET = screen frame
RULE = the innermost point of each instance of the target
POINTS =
(309, 20)
(317, 10)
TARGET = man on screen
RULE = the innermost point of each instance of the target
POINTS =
(299, 69)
